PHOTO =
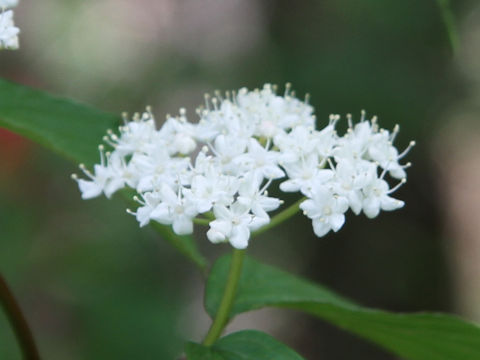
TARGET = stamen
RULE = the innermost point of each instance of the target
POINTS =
(307, 98)
(212, 149)
(140, 201)
(108, 141)
(373, 121)
(405, 152)
(125, 118)
(330, 163)
(288, 86)
(395, 131)
(349, 120)
(101, 148)
(362, 115)
(86, 171)
(267, 145)
(384, 172)
(265, 187)
(207, 101)
(396, 187)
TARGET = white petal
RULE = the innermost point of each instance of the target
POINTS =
(258, 221)
(336, 221)
(388, 203)
(397, 172)
(168, 195)
(143, 215)
(162, 214)
(221, 212)
(320, 228)
(311, 208)
(269, 203)
(223, 226)
(290, 186)
(145, 183)
(182, 225)
(89, 189)
(341, 205)
(371, 207)
(203, 205)
(273, 172)
(239, 237)
(355, 201)
(112, 186)
(215, 236)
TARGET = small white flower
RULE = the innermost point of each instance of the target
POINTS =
(261, 162)
(178, 135)
(136, 136)
(93, 187)
(326, 209)
(150, 201)
(8, 31)
(272, 113)
(122, 173)
(157, 168)
(233, 224)
(377, 198)
(227, 149)
(350, 178)
(251, 196)
(300, 142)
(175, 210)
(386, 155)
(212, 188)
(304, 174)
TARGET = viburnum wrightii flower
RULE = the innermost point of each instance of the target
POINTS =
(223, 165)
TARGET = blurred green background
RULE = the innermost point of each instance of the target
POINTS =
(94, 286)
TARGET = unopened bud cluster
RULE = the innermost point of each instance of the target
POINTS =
(8, 31)
(220, 168)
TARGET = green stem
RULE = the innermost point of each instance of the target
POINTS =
(280, 217)
(200, 221)
(222, 316)
(18, 322)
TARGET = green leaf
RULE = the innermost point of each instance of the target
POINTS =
(243, 345)
(416, 336)
(69, 128)
(74, 131)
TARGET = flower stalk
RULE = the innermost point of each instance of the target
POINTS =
(281, 217)
(222, 317)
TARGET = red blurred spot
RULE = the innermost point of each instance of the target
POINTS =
(13, 152)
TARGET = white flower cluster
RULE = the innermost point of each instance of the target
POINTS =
(222, 166)
(8, 31)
